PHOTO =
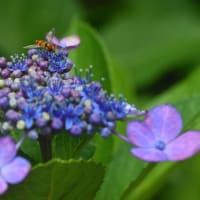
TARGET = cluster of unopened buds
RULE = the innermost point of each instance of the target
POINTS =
(39, 97)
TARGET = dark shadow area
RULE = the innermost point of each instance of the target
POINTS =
(167, 80)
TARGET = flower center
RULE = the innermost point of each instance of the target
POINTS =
(160, 145)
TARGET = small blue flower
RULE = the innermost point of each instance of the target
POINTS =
(72, 115)
(56, 110)
(18, 63)
(55, 85)
(30, 113)
(30, 88)
(13, 169)
(57, 61)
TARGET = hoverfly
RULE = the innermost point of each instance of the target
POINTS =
(48, 45)
(52, 43)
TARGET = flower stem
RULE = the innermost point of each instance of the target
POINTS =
(121, 136)
(45, 147)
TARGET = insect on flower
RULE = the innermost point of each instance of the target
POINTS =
(52, 43)
(48, 45)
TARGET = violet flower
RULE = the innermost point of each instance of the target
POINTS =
(13, 169)
(156, 137)
(68, 43)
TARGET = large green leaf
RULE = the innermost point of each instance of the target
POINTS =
(66, 146)
(183, 183)
(148, 47)
(121, 171)
(91, 52)
(58, 180)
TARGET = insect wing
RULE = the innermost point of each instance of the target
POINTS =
(32, 46)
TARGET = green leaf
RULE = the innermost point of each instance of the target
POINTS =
(185, 89)
(147, 47)
(32, 149)
(29, 148)
(66, 146)
(183, 183)
(91, 52)
(120, 172)
(58, 180)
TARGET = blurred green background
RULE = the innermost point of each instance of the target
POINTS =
(153, 45)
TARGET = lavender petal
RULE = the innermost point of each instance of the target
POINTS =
(70, 42)
(149, 154)
(16, 171)
(7, 150)
(3, 186)
(183, 146)
(139, 134)
(164, 121)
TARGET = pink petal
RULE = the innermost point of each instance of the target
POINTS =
(165, 122)
(139, 134)
(55, 40)
(16, 171)
(50, 37)
(183, 146)
(149, 154)
(3, 186)
(7, 150)
(70, 42)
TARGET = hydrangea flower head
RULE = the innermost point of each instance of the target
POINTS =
(39, 93)
(156, 137)
(13, 169)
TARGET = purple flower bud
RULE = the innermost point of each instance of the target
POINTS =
(105, 132)
(95, 118)
(4, 102)
(4, 92)
(75, 93)
(21, 103)
(2, 61)
(16, 74)
(66, 92)
(90, 129)
(111, 125)
(87, 110)
(13, 115)
(59, 98)
(5, 73)
(28, 62)
(15, 86)
(110, 116)
(18, 95)
(33, 134)
(57, 123)
(44, 64)
(75, 130)
(32, 52)
(41, 122)
(69, 65)
(9, 81)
